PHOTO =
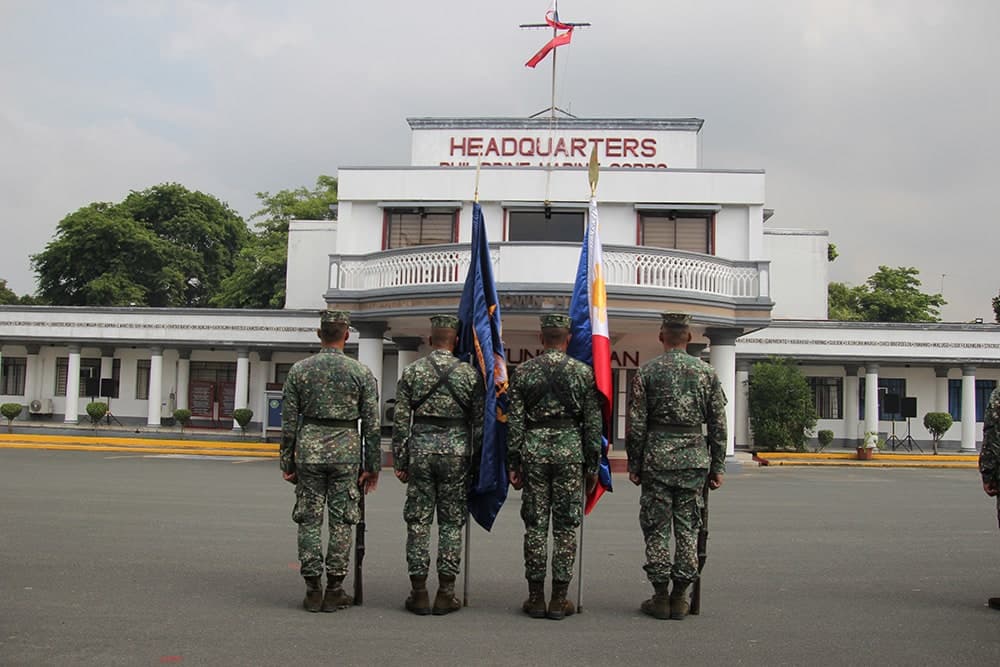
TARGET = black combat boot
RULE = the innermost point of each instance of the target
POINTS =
(559, 606)
(679, 604)
(658, 606)
(445, 601)
(314, 595)
(994, 603)
(534, 606)
(335, 597)
(418, 602)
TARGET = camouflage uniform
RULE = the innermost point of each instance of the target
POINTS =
(331, 392)
(671, 397)
(989, 455)
(435, 451)
(554, 446)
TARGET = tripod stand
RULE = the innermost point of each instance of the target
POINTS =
(892, 440)
(908, 442)
(111, 416)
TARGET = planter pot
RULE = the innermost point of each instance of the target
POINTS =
(866, 453)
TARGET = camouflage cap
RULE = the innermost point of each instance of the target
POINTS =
(675, 320)
(334, 316)
(555, 321)
(444, 322)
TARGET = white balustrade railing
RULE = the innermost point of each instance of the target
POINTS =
(623, 267)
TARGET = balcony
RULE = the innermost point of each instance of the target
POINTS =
(637, 270)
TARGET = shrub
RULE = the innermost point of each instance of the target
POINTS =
(10, 411)
(825, 437)
(782, 414)
(183, 417)
(243, 417)
(97, 410)
(937, 423)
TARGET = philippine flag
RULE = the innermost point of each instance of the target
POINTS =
(590, 343)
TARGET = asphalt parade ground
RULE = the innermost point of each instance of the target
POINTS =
(141, 558)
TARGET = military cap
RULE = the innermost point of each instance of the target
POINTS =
(675, 320)
(334, 316)
(555, 321)
(444, 322)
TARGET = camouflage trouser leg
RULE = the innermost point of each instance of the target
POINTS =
(436, 481)
(556, 490)
(668, 500)
(335, 487)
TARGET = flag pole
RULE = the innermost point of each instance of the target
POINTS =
(468, 514)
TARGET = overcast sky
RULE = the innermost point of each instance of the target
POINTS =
(876, 120)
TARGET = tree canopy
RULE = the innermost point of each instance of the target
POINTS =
(889, 295)
(258, 280)
(7, 295)
(163, 246)
(780, 404)
(996, 308)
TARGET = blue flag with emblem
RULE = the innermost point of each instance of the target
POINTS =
(480, 344)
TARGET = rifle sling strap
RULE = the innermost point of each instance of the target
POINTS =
(443, 375)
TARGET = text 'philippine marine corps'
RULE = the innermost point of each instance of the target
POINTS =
(325, 456)
(672, 396)
(554, 443)
(438, 419)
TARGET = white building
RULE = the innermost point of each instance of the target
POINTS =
(677, 236)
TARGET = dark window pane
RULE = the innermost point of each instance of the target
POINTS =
(534, 226)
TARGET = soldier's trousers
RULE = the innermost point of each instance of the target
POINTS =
(436, 481)
(556, 490)
(333, 486)
(671, 500)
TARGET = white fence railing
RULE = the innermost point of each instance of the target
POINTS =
(624, 266)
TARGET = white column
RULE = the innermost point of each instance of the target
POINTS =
(871, 403)
(741, 429)
(183, 378)
(370, 347)
(722, 356)
(265, 372)
(408, 349)
(155, 386)
(851, 404)
(242, 381)
(32, 372)
(941, 385)
(968, 408)
(73, 385)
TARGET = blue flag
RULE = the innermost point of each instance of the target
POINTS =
(480, 344)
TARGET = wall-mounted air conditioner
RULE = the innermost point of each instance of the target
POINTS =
(40, 406)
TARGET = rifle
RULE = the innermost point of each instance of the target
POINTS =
(359, 541)
(695, 608)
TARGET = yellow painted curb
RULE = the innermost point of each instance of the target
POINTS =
(141, 450)
(819, 456)
(874, 463)
(132, 442)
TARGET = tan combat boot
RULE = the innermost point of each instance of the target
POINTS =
(314, 595)
(679, 604)
(418, 602)
(445, 601)
(559, 606)
(534, 606)
(658, 606)
(335, 597)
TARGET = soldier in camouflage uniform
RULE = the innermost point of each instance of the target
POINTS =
(672, 396)
(989, 459)
(554, 442)
(324, 397)
(438, 418)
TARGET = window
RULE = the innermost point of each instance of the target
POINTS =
(827, 395)
(13, 371)
(677, 230)
(89, 368)
(886, 386)
(142, 379)
(281, 373)
(213, 371)
(533, 225)
(983, 390)
(405, 228)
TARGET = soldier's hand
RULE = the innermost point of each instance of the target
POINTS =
(635, 478)
(715, 480)
(402, 476)
(991, 489)
(368, 481)
(515, 479)
(591, 483)
(290, 477)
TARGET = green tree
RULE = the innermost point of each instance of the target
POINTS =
(782, 413)
(163, 246)
(889, 295)
(7, 295)
(996, 308)
(258, 280)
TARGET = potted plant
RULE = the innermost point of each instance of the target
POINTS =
(866, 450)
(937, 423)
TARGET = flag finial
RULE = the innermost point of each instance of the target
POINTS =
(594, 171)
